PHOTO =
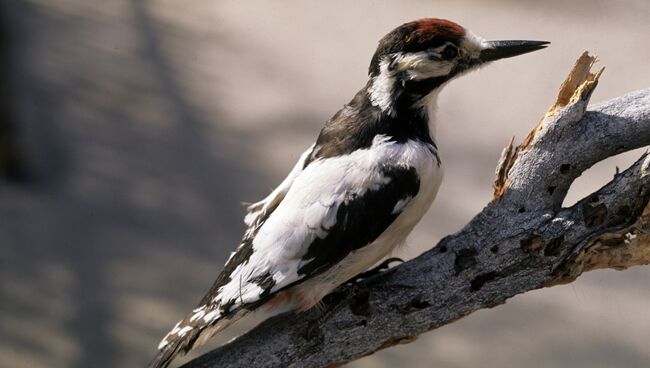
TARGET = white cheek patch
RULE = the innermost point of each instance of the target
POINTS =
(419, 66)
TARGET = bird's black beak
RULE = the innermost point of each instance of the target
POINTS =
(504, 49)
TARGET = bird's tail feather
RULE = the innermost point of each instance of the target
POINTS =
(166, 354)
(178, 342)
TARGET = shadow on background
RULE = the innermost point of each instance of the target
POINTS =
(135, 197)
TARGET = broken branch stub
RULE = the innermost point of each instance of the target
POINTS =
(576, 88)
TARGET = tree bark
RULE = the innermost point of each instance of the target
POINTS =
(521, 241)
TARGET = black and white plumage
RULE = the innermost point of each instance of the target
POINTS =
(355, 194)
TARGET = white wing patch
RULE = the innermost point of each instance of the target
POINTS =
(211, 316)
(399, 206)
(276, 196)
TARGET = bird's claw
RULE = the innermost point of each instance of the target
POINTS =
(379, 269)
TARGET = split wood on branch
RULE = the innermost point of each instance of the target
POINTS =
(521, 241)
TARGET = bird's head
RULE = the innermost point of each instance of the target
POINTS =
(418, 57)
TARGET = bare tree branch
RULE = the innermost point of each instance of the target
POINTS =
(522, 240)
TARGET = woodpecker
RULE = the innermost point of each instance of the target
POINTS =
(355, 194)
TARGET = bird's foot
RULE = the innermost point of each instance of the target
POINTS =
(379, 269)
(349, 294)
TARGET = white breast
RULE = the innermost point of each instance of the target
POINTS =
(414, 154)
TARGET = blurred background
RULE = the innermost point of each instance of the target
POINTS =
(131, 131)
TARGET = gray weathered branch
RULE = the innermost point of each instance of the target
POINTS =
(522, 240)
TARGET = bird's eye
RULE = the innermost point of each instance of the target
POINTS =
(449, 52)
